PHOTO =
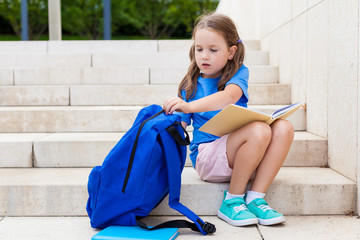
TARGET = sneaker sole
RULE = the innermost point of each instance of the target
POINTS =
(271, 221)
(238, 223)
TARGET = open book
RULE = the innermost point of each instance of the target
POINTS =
(234, 117)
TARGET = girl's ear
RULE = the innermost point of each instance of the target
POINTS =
(232, 52)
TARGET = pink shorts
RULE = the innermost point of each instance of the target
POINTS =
(212, 164)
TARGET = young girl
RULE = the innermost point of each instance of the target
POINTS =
(216, 78)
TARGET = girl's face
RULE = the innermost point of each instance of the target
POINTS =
(211, 52)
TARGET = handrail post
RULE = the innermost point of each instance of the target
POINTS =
(54, 19)
(107, 19)
(24, 21)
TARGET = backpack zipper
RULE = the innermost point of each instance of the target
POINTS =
(133, 150)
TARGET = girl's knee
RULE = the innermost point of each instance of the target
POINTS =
(282, 129)
(260, 132)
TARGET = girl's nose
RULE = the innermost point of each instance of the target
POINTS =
(205, 56)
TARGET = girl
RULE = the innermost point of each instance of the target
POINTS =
(216, 78)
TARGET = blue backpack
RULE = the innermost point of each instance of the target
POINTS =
(139, 172)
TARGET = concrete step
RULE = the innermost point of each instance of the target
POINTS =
(90, 149)
(35, 95)
(17, 149)
(173, 75)
(131, 46)
(105, 46)
(44, 60)
(63, 192)
(67, 119)
(295, 191)
(6, 76)
(167, 59)
(115, 75)
(163, 59)
(76, 76)
(115, 95)
(262, 94)
(92, 95)
(93, 118)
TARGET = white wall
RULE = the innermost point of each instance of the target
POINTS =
(358, 124)
(317, 51)
(358, 146)
(343, 85)
(248, 26)
(316, 43)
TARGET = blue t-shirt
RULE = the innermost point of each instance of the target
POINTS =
(205, 87)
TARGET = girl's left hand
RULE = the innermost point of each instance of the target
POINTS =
(175, 104)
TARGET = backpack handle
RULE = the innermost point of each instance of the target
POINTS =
(176, 135)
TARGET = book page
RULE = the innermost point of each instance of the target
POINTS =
(285, 112)
(286, 109)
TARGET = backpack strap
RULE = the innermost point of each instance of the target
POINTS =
(207, 227)
(176, 135)
(174, 178)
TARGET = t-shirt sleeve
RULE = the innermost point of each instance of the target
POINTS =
(185, 117)
(241, 78)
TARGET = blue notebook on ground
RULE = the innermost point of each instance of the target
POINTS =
(135, 232)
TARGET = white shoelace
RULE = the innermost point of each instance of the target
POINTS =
(240, 208)
(265, 207)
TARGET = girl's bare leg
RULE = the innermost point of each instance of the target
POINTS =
(282, 136)
(245, 150)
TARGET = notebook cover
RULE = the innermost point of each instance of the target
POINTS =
(231, 118)
(135, 232)
(234, 117)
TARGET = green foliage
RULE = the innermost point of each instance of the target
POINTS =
(84, 18)
(159, 18)
(10, 10)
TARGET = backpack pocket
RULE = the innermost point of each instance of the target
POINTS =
(93, 189)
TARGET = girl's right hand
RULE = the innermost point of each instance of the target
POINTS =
(175, 104)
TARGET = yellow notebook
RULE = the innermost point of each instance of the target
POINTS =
(234, 117)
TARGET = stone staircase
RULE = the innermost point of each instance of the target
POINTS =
(64, 105)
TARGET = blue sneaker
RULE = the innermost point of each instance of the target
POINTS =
(235, 212)
(265, 214)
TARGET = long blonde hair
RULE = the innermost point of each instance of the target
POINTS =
(225, 27)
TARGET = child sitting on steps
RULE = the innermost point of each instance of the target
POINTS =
(216, 78)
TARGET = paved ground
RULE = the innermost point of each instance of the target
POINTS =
(78, 228)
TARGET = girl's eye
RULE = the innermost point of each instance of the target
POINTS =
(213, 50)
(199, 49)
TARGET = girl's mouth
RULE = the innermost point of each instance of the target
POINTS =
(206, 65)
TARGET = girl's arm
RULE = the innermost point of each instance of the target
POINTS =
(217, 101)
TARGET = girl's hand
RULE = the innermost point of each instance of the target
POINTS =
(175, 104)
